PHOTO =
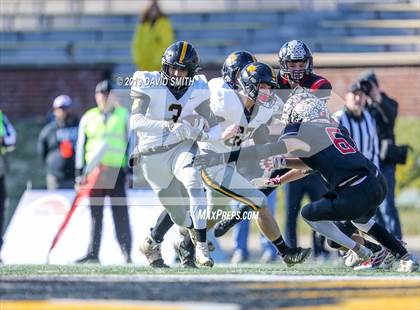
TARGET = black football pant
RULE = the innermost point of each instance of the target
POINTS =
(357, 203)
(119, 213)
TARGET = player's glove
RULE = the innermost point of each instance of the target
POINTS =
(273, 162)
(209, 159)
(266, 182)
(185, 131)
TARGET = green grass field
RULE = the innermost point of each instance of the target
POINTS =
(308, 268)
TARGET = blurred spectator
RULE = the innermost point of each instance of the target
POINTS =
(57, 143)
(360, 124)
(101, 154)
(7, 144)
(385, 110)
(153, 35)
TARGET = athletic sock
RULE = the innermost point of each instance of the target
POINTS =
(281, 246)
(385, 238)
(201, 235)
(162, 226)
(188, 242)
(331, 231)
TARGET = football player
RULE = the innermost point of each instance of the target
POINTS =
(166, 143)
(296, 64)
(243, 114)
(356, 187)
(219, 87)
(295, 75)
(243, 104)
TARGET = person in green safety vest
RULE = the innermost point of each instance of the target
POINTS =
(7, 144)
(101, 161)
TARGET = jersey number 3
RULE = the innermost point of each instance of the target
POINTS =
(340, 143)
(176, 109)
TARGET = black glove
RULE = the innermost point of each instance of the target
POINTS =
(208, 159)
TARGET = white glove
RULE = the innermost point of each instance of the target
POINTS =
(185, 131)
(199, 123)
(266, 182)
(273, 162)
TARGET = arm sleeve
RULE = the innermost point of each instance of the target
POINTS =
(204, 110)
(80, 147)
(138, 120)
(261, 135)
(256, 152)
(390, 108)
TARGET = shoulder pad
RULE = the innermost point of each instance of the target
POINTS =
(200, 82)
(144, 80)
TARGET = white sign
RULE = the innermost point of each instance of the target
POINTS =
(40, 213)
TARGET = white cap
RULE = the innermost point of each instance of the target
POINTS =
(62, 101)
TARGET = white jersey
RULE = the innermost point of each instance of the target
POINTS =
(229, 110)
(163, 106)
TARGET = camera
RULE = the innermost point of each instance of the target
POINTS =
(365, 86)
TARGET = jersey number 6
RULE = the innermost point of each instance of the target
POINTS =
(337, 138)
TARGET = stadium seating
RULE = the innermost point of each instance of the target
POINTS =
(103, 33)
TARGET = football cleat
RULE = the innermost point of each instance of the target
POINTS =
(357, 257)
(223, 227)
(363, 254)
(297, 256)
(152, 250)
(202, 255)
(388, 262)
(408, 263)
(390, 259)
(363, 266)
(350, 258)
(375, 261)
(185, 254)
(193, 235)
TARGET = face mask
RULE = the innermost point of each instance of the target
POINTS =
(264, 96)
